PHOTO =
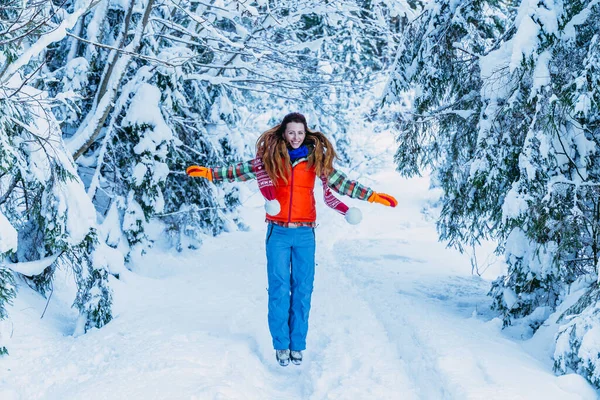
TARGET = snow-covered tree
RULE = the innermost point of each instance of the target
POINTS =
(45, 213)
(505, 112)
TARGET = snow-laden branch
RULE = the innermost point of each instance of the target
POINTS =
(29, 19)
(51, 37)
(562, 180)
(208, 26)
(33, 268)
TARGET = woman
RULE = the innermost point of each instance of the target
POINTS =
(289, 159)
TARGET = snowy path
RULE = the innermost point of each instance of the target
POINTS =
(395, 316)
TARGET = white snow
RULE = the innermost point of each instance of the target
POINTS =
(583, 104)
(590, 344)
(134, 214)
(518, 243)
(515, 203)
(327, 68)
(145, 109)
(532, 17)
(106, 256)
(76, 75)
(464, 114)
(138, 173)
(144, 106)
(541, 74)
(569, 31)
(32, 268)
(396, 315)
(79, 209)
(313, 45)
(510, 297)
(8, 235)
(110, 229)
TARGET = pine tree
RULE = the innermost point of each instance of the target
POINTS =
(42, 199)
(7, 294)
(505, 113)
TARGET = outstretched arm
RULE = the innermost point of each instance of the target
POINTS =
(253, 169)
(339, 182)
(235, 172)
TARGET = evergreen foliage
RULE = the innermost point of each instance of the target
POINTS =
(7, 294)
(502, 104)
(44, 211)
(94, 296)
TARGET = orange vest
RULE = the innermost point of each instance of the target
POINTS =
(296, 197)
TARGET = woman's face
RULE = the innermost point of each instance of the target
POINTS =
(294, 134)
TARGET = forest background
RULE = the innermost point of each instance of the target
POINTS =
(103, 103)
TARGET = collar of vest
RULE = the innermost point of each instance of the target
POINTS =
(299, 160)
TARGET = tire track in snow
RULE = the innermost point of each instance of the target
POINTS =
(404, 335)
(428, 314)
(350, 355)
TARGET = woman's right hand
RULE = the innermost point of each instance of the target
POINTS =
(384, 199)
(196, 171)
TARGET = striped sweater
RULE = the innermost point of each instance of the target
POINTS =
(337, 180)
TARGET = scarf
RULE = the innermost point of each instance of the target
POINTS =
(300, 152)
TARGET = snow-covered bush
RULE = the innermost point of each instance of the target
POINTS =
(529, 291)
(578, 338)
(7, 293)
(41, 196)
(140, 150)
(94, 296)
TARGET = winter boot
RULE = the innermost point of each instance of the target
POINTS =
(283, 357)
(296, 357)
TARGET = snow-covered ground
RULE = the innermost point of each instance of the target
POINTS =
(395, 315)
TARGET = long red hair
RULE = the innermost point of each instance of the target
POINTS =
(272, 148)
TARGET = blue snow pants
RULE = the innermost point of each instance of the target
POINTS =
(291, 273)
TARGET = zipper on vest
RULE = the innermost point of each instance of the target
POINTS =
(291, 196)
